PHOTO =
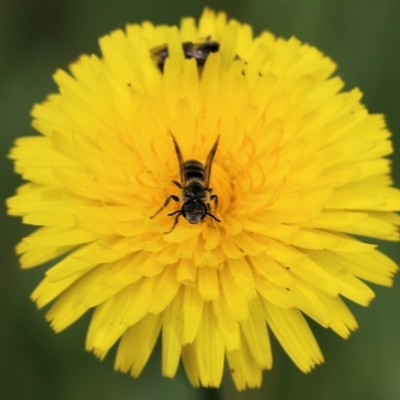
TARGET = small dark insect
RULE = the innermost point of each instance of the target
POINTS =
(195, 191)
(198, 51)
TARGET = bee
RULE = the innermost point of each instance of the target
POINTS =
(195, 193)
(198, 51)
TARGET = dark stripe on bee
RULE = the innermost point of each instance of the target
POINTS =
(198, 51)
(193, 170)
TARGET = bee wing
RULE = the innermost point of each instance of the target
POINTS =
(188, 49)
(200, 51)
(159, 51)
(180, 159)
(159, 54)
(208, 166)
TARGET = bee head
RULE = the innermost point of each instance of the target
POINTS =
(194, 211)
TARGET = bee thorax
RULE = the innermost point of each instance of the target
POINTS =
(194, 191)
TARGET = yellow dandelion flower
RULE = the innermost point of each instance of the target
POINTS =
(299, 167)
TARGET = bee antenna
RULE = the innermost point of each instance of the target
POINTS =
(214, 217)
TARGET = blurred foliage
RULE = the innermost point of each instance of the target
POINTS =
(39, 36)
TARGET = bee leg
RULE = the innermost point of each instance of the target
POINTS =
(210, 214)
(178, 184)
(166, 202)
(178, 213)
(215, 198)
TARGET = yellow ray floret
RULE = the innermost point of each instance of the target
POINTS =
(298, 167)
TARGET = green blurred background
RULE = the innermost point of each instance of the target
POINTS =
(38, 36)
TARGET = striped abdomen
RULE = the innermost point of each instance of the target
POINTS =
(194, 170)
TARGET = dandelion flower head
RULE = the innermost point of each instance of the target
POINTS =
(300, 168)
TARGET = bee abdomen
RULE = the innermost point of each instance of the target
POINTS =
(194, 170)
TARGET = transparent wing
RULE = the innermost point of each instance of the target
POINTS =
(208, 166)
(180, 159)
